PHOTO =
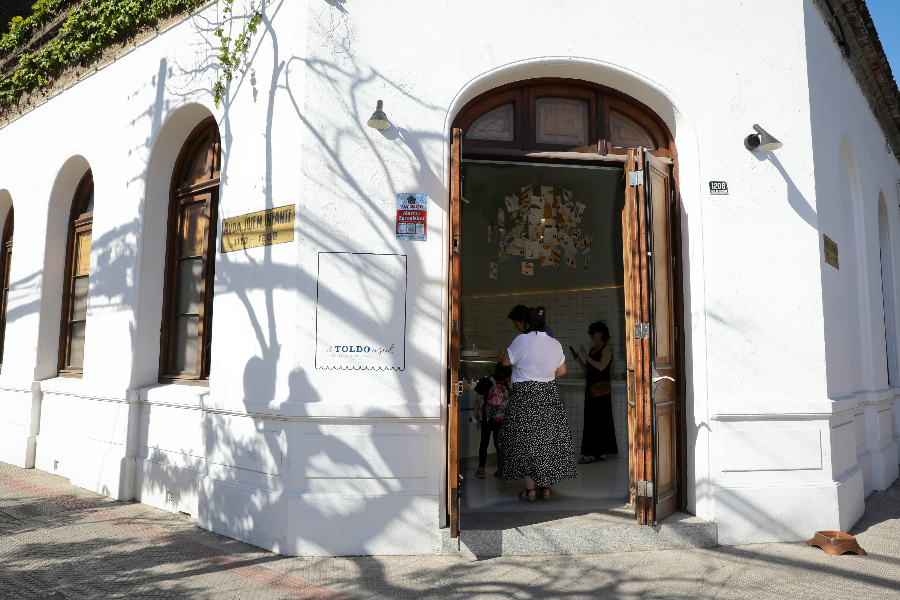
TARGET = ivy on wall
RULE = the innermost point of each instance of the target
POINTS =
(230, 57)
(90, 26)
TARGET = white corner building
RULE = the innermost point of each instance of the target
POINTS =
(216, 311)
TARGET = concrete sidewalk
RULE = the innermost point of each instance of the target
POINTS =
(60, 541)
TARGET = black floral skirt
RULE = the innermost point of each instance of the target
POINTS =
(535, 439)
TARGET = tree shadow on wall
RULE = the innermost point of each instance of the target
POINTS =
(296, 454)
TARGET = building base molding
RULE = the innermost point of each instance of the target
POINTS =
(749, 514)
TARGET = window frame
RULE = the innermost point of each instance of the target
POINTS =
(183, 194)
(601, 100)
(6, 244)
(79, 223)
(567, 92)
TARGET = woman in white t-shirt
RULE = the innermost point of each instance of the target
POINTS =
(535, 442)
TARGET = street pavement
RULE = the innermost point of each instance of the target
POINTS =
(60, 541)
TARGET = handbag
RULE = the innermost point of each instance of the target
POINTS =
(601, 388)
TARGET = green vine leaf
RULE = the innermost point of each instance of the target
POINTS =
(90, 26)
(230, 58)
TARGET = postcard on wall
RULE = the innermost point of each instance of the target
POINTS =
(534, 227)
(361, 311)
(579, 211)
(512, 203)
(550, 236)
(570, 257)
(576, 237)
(546, 190)
(519, 248)
(533, 250)
(586, 243)
(501, 218)
(527, 268)
(492, 272)
(525, 195)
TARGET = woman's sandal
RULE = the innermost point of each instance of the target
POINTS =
(526, 496)
(545, 493)
(587, 459)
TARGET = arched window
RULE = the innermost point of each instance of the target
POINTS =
(559, 115)
(6, 243)
(190, 257)
(78, 266)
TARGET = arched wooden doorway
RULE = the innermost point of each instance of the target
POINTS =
(564, 122)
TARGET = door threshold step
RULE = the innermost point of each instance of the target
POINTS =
(573, 532)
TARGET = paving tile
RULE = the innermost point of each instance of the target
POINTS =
(59, 541)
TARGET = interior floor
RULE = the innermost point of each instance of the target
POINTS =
(602, 485)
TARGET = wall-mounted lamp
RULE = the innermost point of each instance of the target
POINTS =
(378, 120)
(761, 140)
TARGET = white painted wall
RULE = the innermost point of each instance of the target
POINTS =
(855, 175)
(307, 461)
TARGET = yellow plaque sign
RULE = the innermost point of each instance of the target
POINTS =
(263, 228)
(831, 252)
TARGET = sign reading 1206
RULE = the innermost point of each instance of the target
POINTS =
(263, 228)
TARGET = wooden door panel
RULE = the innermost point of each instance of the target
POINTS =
(666, 484)
(453, 351)
(664, 395)
(652, 393)
(663, 342)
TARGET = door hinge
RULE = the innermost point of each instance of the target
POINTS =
(635, 178)
(676, 334)
(645, 489)
(456, 243)
(642, 331)
(458, 388)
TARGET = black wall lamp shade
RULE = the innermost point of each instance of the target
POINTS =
(761, 140)
(378, 120)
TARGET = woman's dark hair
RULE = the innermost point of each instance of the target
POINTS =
(501, 372)
(534, 319)
(601, 328)
(518, 313)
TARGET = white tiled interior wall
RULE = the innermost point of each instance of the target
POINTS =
(485, 322)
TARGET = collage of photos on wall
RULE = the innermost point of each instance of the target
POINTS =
(550, 236)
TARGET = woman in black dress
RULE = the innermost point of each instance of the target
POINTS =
(535, 442)
(599, 434)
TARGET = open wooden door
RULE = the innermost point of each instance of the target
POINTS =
(454, 383)
(650, 336)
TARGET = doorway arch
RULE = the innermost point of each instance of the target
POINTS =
(579, 123)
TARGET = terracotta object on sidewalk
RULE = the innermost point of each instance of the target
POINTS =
(836, 543)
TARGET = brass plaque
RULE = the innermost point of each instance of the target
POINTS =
(831, 252)
(263, 228)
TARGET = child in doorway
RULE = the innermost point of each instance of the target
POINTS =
(490, 403)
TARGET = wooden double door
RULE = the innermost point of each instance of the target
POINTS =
(651, 260)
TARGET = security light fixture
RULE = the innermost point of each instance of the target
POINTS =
(378, 120)
(761, 140)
